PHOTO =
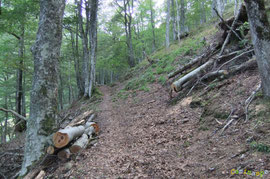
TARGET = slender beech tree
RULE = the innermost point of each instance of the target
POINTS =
(260, 33)
(93, 44)
(183, 16)
(168, 17)
(153, 25)
(43, 104)
(173, 21)
(177, 20)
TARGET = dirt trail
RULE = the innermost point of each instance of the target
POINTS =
(143, 136)
(135, 141)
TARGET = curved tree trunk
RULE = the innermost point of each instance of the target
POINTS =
(260, 33)
(43, 106)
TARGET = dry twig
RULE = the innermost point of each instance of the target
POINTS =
(250, 99)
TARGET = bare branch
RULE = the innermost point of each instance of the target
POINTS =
(14, 113)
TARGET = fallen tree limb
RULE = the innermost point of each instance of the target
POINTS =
(230, 32)
(14, 113)
(231, 29)
(235, 58)
(64, 136)
(230, 54)
(250, 64)
(177, 85)
(41, 175)
(250, 99)
(206, 55)
(92, 117)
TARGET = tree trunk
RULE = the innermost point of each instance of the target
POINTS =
(84, 36)
(260, 33)
(168, 17)
(93, 44)
(214, 6)
(183, 17)
(43, 106)
(237, 5)
(23, 99)
(177, 20)
(19, 93)
(60, 92)
(203, 13)
(220, 7)
(5, 124)
(173, 20)
(77, 66)
(153, 25)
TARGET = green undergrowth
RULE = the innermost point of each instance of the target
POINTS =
(167, 60)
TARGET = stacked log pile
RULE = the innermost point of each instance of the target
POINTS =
(216, 62)
(74, 137)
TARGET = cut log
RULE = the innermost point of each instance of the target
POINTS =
(214, 74)
(90, 131)
(32, 174)
(91, 118)
(64, 154)
(211, 50)
(177, 85)
(41, 175)
(80, 118)
(89, 124)
(50, 150)
(80, 144)
(64, 136)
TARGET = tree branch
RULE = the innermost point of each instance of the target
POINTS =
(14, 113)
(13, 34)
(231, 28)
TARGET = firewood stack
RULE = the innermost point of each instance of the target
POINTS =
(74, 137)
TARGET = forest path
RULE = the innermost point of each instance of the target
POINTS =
(136, 140)
(144, 136)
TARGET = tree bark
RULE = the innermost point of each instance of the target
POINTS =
(168, 17)
(183, 17)
(43, 106)
(93, 45)
(177, 20)
(84, 36)
(19, 94)
(153, 25)
(260, 33)
(173, 20)
(80, 144)
(203, 13)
